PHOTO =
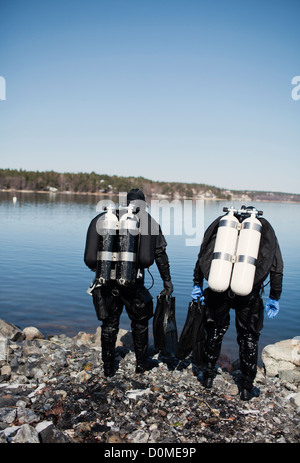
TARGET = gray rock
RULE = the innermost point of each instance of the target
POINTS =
(6, 370)
(3, 439)
(296, 399)
(10, 331)
(31, 333)
(26, 435)
(43, 425)
(139, 437)
(3, 347)
(49, 435)
(7, 415)
(283, 355)
(10, 432)
(26, 415)
(291, 376)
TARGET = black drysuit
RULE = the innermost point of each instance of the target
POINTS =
(248, 309)
(135, 297)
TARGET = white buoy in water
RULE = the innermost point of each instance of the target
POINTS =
(15, 199)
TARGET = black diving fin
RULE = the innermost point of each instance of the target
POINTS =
(193, 334)
(164, 326)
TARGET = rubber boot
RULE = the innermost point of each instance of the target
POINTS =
(212, 349)
(109, 366)
(108, 341)
(140, 341)
(248, 365)
(208, 376)
(248, 391)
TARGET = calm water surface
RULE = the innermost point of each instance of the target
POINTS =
(43, 279)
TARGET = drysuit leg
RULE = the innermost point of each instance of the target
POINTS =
(140, 341)
(249, 323)
(109, 332)
(217, 323)
(139, 306)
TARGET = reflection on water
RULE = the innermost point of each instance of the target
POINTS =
(44, 278)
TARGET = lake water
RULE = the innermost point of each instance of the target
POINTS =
(43, 279)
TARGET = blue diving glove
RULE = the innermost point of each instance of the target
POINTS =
(197, 293)
(272, 308)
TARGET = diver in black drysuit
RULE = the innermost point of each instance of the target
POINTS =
(135, 297)
(249, 309)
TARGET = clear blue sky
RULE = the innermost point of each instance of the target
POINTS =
(173, 90)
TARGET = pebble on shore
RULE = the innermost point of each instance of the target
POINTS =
(54, 391)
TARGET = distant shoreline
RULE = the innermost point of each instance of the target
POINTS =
(102, 194)
(102, 185)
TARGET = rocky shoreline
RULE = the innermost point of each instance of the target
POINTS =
(54, 391)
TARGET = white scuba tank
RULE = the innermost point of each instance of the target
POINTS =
(106, 227)
(127, 247)
(224, 251)
(246, 255)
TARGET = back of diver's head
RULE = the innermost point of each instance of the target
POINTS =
(135, 194)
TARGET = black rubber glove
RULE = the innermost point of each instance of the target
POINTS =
(168, 288)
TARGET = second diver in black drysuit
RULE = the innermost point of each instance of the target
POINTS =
(135, 297)
(248, 309)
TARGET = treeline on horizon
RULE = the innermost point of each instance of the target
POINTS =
(84, 182)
